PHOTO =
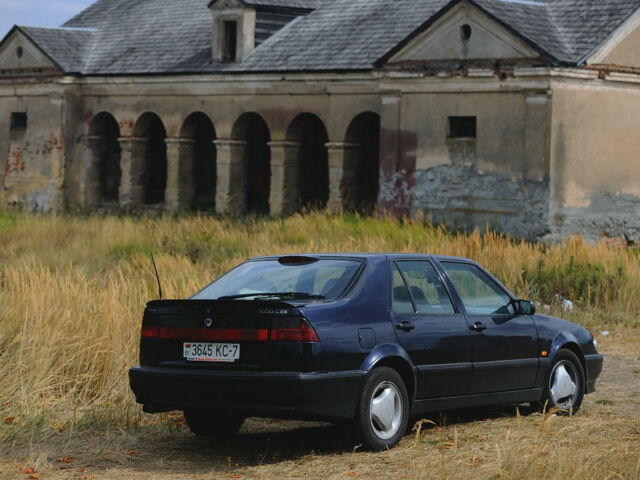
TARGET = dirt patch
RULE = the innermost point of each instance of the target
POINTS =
(603, 441)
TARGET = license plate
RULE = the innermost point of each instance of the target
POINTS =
(211, 352)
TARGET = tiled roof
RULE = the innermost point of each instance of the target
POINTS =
(585, 24)
(301, 4)
(170, 36)
(66, 47)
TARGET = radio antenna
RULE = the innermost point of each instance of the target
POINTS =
(157, 276)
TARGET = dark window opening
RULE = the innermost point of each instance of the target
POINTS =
(156, 163)
(19, 52)
(364, 132)
(314, 165)
(204, 164)
(462, 127)
(258, 155)
(230, 41)
(465, 32)
(18, 121)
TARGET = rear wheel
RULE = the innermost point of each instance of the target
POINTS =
(207, 423)
(565, 383)
(383, 411)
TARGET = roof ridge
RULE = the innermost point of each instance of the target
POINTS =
(569, 49)
(272, 38)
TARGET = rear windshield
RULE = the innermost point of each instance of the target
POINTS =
(319, 278)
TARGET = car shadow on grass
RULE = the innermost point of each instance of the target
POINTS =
(268, 441)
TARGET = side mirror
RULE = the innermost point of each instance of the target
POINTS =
(525, 307)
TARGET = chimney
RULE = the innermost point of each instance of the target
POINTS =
(234, 29)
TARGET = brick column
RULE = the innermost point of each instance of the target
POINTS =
(285, 177)
(134, 169)
(179, 193)
(92, 152)
(343, 176)
(231, 187)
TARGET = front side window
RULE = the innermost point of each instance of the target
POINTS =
(427, 291)
(479, 293)
(276, 278)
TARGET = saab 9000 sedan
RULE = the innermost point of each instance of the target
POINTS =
(367, 338)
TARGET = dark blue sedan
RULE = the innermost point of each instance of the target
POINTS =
(367, 338)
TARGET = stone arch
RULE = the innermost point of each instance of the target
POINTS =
(252, 130)
(102, 161)
(362, 162)
(152, 158)
(195, 184)
(308, 139)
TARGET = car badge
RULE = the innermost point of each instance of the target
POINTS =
(208, 322)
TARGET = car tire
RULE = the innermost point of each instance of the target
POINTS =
(207, 423)
(564, 385)
(383, 410)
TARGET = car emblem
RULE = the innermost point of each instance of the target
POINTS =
(208, 322)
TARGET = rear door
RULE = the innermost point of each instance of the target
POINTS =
(433, 332)
(505, 345)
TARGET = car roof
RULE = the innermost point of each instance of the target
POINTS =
(363, 255)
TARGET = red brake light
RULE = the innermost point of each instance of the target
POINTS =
(193, 334)
(149, 332)
(299, 331)
(289, 329)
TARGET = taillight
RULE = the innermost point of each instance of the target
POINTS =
(192, 334)
(292, 330)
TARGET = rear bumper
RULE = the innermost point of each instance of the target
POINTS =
(268, 394)
(594, 368)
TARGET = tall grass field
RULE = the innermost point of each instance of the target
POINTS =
(73, 289)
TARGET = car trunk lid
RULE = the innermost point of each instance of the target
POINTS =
(228, 334)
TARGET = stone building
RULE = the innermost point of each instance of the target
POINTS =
(520, 114)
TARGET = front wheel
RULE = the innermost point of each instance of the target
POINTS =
(208, 423)
(383, 411)
(565, 383)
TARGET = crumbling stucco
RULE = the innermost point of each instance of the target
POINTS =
(463, 198)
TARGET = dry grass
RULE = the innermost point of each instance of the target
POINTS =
(72, 290)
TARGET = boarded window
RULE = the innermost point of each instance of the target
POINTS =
(230, 41)
(462, 127)
(18, 121)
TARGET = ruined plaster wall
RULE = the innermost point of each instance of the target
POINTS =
(499, 180)
(595, 158)
(32, 161)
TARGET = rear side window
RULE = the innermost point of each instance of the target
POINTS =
(427, 291)
(479, 293)
(326, 277)
(401, 300)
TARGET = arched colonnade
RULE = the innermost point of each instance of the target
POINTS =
(245, 173)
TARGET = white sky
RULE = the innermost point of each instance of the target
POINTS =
(38, 13)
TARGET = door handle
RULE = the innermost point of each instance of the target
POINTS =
(478, 327)
(406, 326)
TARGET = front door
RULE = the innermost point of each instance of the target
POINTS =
(434, 334)
(505, 345)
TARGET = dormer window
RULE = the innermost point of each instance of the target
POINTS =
(230, 41)
(234, 30)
